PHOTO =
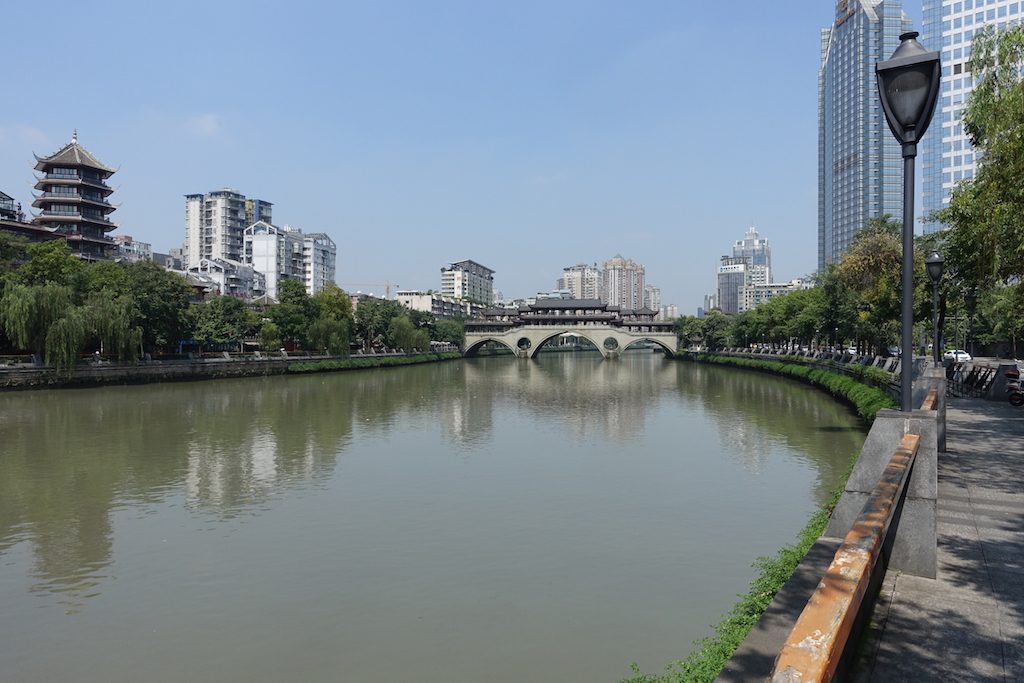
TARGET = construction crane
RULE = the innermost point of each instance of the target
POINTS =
(347, 286)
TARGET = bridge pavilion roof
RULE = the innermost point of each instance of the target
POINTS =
(566, 304)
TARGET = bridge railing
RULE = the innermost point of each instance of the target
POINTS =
(821, 637)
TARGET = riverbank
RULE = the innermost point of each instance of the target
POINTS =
(714, 652)
(194, 369)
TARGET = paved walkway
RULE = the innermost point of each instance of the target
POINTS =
(968, 623)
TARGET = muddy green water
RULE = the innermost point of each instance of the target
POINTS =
(483, 520)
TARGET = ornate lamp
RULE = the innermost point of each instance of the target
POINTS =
(908, 86)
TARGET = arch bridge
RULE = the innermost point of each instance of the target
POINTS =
(526, 330)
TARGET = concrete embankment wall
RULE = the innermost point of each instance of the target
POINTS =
(141, 373)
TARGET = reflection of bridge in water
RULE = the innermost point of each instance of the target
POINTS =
(526, 330)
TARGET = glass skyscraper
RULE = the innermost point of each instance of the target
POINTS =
(946, 152)
(860, 169)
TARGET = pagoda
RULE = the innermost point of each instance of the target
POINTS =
(73, 200)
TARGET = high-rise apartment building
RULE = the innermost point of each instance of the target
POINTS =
(860, 170)
(285, 253)
(623, 283)
(275, 252)
(319, 260)
(582, 280)
(468, 280)
(215, 224)
(947, 156)
(73, 200)
(757, 250)
(257, 210)
(652, 298)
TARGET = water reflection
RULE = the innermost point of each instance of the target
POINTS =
(70, 459)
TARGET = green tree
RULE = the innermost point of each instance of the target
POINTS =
(223, 320)
(373, 316)
(294, 312)
(451, 330)
(270, 336)
(985, 244)
(53, 263)
(162, 308)
(332, 302)
(329, 335)
(402, 334)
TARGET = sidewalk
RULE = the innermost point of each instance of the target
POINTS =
(968, 623)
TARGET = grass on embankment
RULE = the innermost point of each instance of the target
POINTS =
(333, 364)
(706, 662)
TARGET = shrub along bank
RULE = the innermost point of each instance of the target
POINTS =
(332, 364)
(706, 662)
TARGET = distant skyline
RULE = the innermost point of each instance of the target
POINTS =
(527, 137)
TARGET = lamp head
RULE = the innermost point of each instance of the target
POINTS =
(908, 86)
(934, 265)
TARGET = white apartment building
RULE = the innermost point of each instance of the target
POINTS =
(215, 224)
(432, 302)
(754, 295)
(285, 253)
(132, 250)
(652, 298)
(232, 277)
(468, 280)
(276, 253)
(319, 261)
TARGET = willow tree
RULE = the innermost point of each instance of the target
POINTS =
(110, 321)
(27, 312)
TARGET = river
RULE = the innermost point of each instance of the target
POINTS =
(487, 519)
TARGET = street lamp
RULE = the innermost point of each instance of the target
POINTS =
(971, 299)
(908, 86)
(933, 264)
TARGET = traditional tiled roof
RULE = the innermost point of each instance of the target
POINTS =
(561, 304)
(72, 154)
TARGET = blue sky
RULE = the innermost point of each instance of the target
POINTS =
(527, 136)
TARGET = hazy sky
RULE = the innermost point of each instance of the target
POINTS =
(527, 136)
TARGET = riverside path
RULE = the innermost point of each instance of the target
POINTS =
(967, 624)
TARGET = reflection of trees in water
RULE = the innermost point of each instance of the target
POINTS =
(70, 457)
(754, 411)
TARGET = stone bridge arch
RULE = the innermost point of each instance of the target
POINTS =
(669, 351)
(545, 338)
(474, 346)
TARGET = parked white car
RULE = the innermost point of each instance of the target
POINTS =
(957, 356)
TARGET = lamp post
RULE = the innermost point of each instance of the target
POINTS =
(971, 300)
(933, 264)
(908, 87)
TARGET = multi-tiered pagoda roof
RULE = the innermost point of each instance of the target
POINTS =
(73, 199)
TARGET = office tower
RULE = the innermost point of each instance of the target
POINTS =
(215, 224)
(623, 283)
(468, 280)
(860, 170)
(732, 278)
(947, 156)
(757, 250)
(583, 281)
(73, 200)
